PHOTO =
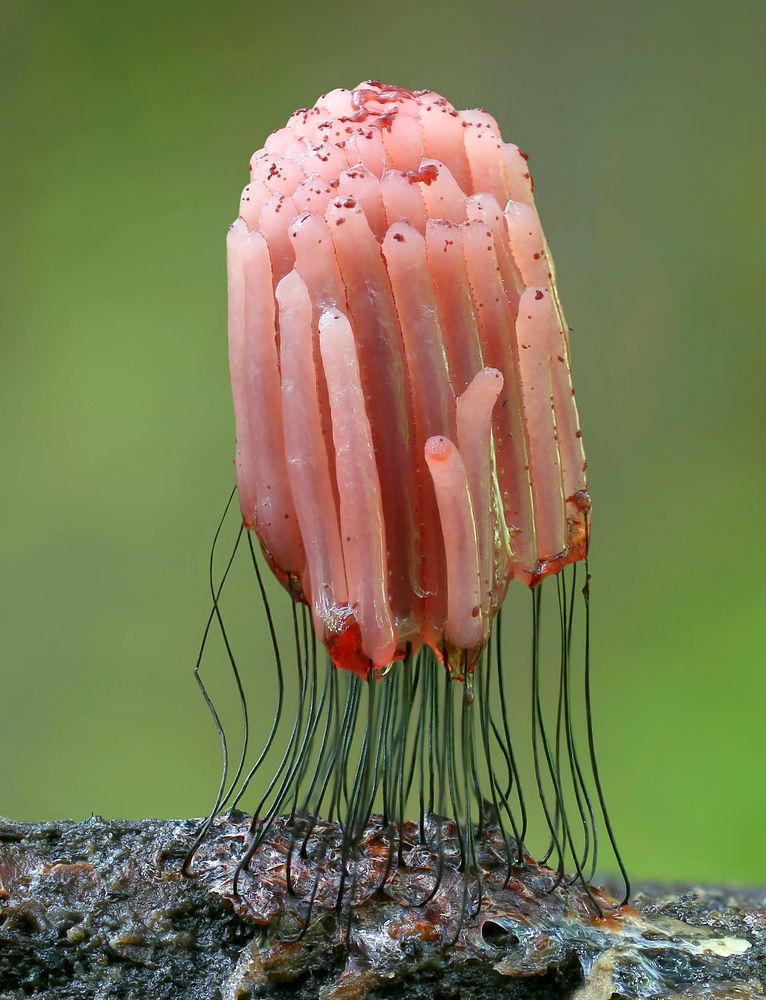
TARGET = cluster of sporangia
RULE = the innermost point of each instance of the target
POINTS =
(407, 436)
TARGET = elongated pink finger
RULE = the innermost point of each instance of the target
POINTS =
(528, 244)
(447, 268)
(496, 317)
(433, 403)
(305, 451)
(519, 178)
(483, 146)
(253, 198)
(536, 329)
(403, 142)
(363, 529)
(364, 187)
(440, 191)
(464, 622)
(271, 223)
(264, 490)
(404, 250)
(389, 403)
(245, 454)
(316, 262)
(474, 440)
(442, 130)
(485, 208)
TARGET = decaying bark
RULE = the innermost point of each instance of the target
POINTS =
(100, 909)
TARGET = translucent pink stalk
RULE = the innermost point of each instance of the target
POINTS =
(306, 455)
(496, 315)
(433, 405)
(271, 223)
(363, 529)
(447, 267)
(464, 621)
(526, 237)
(264, 491)
(536, 334)
(389, 402)
(474, 438)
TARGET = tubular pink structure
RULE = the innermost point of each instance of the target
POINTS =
(407, 435)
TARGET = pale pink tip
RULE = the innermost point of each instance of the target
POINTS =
(407, 436)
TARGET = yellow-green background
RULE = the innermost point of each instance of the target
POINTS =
(126, 130)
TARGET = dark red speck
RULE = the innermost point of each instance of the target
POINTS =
(538, 294)
(581, 499)
(426, 175)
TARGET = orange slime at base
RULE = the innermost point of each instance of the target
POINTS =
(407, 435)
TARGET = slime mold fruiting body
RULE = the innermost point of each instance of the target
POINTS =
(407, 445)
(407, 435)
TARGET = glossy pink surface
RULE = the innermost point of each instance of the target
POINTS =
(407, 435)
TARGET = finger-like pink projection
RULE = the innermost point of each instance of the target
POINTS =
(407, 435)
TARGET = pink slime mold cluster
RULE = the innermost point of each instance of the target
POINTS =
(407, 435)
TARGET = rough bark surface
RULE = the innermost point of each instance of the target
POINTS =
(101, 910)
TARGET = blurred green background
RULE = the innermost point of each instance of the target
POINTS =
(127, 130)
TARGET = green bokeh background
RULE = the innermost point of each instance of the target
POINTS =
(126, 131)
